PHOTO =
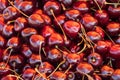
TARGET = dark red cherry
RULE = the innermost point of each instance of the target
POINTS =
(27, 7)
(46, 68)
(67, 3)
(13, 42)
(54, 55)
(82, 6)
(100, 31)
(34, 60)
(61, 20)
(9, 77)
(36, 20)
(116, 75)
(36, 41)
(4, 69)
(102, 17)
(3, 5)
(39, 77)
(115, 51)
(10, 13)
(28, 74)
(1, 26)
(38, 11)
(2, 42)
(27, 32)
(73, 14)
(8, 30)
(95, 59)
(89, 22)
(96, 77)
(113, 28)
(52, 5)
(20, 23)
(47, 31)
(26, 51)
(55, 39)
(114, 12)
(84, 67)
(72, 28)
(94, 36)
(47, 19)
(16, 61)
(106, 71)
(1, 18)
(58, 75)
(17, 2)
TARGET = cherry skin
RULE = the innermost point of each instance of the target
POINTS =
(3, 5)
(116, 75)
(100, 31)
(71, 28)
(26, 67)
(2, 42)
(28, 74)
(39, 77)
(20, 23)
(10, 13)
(17, 2)
(58, 75)
(36, 20)
(47, 31)
(94, 36)
(47, 19)
(67, 3)
(36, 41)
(26, 51)
(52, 5)
(115, 51)
(8, 30)
(113, 28)
(1, 25)
(82, 6)
(70, 75)
(89, 22)
(38, 11)
(95, 59)
(27, 7)
(106, 71)
(73, 14)
(8, 77)
(96, 77)
(34, 60)
(46, 68)
(55, 39)
(102, 17)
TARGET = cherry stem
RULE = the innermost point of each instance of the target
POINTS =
(97, 4)
(83, 77)
(63, 6)
(70, 66)
(43, 49)
(80, 43)
(9, 22)
(56, 68)
(51, 10)
(18, 9)
(82, 49)
(40, 53)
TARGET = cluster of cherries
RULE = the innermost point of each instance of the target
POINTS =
(59, 39)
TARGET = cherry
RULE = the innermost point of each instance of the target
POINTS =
(2, 42)
(72, 28)
(116, 75)
(61, 20)
(73, 14)
(40, 77)
(1, 25)
(84, 67)
(96, 77)
(26, 51)
(113, 28)
(3, 5)
(28, 74)
(17, 2)
(36, 41)
(10, 13)
(54, 55)
(67, 3)
(38, 11)
(115, 51)
(94, 36)
(4, 69)
(46, 68)
(26, 67)
(47, 31)
(47, 19)
(95, 59)
(36, 20)
(52, 6)
(55, 39)
(20, 23)
(58, 75)
(106, 71)
(8, 30)
(82, 6)
(102, 17)
(89, 22)
(34, 60)
(100, 31)
(9, 77)
(26, 7)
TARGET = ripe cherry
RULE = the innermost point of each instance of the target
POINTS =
(2, 42)
(3, 5)
(116, 75)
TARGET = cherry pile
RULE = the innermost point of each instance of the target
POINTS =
(59, 39)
